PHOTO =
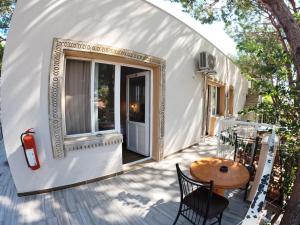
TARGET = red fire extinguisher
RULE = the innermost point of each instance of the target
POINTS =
(30, 150)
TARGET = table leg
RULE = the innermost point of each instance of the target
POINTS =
(219, 191)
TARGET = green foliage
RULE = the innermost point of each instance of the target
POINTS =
(6, 10)
(297, 16)
(264, 61)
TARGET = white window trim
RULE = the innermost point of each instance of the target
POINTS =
(92, 96)
(116, 98)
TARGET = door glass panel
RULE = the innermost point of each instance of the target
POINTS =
(104, 83)
(137, 99)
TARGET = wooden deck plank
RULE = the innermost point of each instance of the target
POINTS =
(107, 206)
(85, 214)
(60, 209)
(117, 204)
(70, 200)
(48, 208)
(52, 221)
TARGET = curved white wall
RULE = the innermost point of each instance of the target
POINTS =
(130, 24)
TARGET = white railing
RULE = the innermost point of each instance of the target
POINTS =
(245, 130)
(227, 128)
(254, 213)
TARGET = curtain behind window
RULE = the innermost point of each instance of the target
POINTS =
(77, 97)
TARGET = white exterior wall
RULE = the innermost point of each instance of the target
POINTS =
(131, 24)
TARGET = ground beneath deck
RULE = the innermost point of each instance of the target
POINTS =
(147, 196)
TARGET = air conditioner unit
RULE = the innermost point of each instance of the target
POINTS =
(207, 62)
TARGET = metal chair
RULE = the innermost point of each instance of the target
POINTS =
(245, 152)
(198, 203)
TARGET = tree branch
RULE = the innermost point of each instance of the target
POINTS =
(2, 39)
(293, 4)
(284, 45)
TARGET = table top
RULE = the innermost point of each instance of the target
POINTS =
(207, 169)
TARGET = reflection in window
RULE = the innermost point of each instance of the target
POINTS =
(137, 99)
(104, 97)
(214, 100)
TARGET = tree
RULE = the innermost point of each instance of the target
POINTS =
(6, 10)
(262, 53)
(268, 36)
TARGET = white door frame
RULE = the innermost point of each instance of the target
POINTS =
(146, 124)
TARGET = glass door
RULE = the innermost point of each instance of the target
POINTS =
(138, 113)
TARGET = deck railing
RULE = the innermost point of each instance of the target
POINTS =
(254, 213)
(226, 130)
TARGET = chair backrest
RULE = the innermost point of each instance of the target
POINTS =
(245, 149)
(189, 186)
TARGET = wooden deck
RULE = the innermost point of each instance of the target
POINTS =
(146, 196)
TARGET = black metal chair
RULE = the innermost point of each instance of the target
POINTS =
(198, 203)
(245, 153)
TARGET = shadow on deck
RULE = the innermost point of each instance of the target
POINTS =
(147, 196)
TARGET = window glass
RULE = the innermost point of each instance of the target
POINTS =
(104, 83)
(218, 100)
(77, 97)
(213, 100)
(137, 99)
(231, 101)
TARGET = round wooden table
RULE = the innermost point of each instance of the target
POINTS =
(207, 169)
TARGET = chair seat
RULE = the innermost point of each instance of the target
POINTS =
(197, 200)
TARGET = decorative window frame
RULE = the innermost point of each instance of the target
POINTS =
(56, 87)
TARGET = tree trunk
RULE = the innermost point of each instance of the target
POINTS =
(292, 213)
(291, 28)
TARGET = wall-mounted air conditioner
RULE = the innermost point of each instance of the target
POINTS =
(207, 63)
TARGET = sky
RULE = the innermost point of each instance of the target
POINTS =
(215, 32)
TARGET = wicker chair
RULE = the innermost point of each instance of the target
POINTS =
(198, 203)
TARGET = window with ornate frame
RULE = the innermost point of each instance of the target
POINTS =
(60, 143)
